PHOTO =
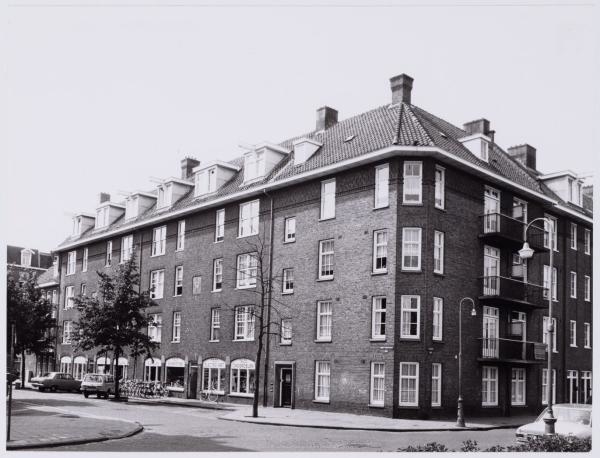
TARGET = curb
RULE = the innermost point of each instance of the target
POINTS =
(57, 443)
(177, 404)
(356, 428)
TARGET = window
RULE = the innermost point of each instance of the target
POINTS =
(218, 274)
(586, 389)
(244, 323)
(322, 380)
(155, 327)
(587, 288)
(77, 224)
(102, 217)
(412, 182)
(71, 260)
(519, 210)
(246, 270)
(178, 281)
(159, 239)
(220, 225)
(82, 289)
(152, 370)
(547, 282)
(126, 248)
(587, 336)
(165, 195)
(249, 218)
(108, 253)
(517, 393)
(157, 283)
(436, 384)
(326, 259)
(26, 258)
(378, 315)
(587, 241)
(215, 325)
(67, 332)
(55, 297)
(213, 375)
(409, 384)
(545, 332)
(489, 386)
(440, 185)
(324, 320)
(410, 318)
(131, 207)
(545, 386)
(242, 377)
(196, 285)
(288, 281)
(382, 185)
(548, 238)
(438, 317)
(438, 252)
(411, 248)
(573, 284)
(377, 384)
(573, 383)
(254, 165)
(176, 327)
(69, 295)
(286, 331)
(289, 230)
(180, 235)
(328, 199)
(205, 181)
(380, 245)
(84, 262)
(573, 236)
(572, 333)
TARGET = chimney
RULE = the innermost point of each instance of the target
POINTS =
(326, 117)
(525, 154)
(104, 197)
(401, 86)
(187, 165)
(479, 126)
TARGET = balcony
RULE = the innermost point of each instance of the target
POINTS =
(504, 230)
(512, 351)
(511, 291)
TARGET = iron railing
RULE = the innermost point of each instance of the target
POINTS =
(512, 349)
(510, 228)
(512, 289)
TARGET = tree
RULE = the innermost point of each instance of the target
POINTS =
(115, 320)
(30, 315)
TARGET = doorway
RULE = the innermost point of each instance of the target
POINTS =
(284, 384)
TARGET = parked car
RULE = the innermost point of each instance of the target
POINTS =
(56, 381)
(571, 420)
(101, 384)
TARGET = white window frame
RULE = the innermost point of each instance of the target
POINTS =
(327, 199)
(176, 337)
(220, 225)
(377, 384)
(409, 246)
(82, 289)
(382, 186)
(378, 317)
(573, 236)
(126, 248)
(71, 262)
(546, 284)
(157, 281)
(587, 241)
(178, 281)
(217, 275)
(551, 237)
(587, 292)
(322, 381)
(109, 250)
(412, 183)
(288, 280)
(236, 373)
(518, 386)
(324, 321)
(572, 333)
(69, 297)
(196, 284)
(380, 251)
(440, 187)
(545, 333)
(438, 319)
(210, 370)
(247, 270)
(545, 386)
(573, 285)
(408, 378)
(289, 231)
(489, 380)
(407, 307)
(572, 382)
(215, 324)
(155, 328)
(180, 246)
(84, 262)
(159, 240)
(325, 255)
(436, 384)
(244, 323)
(586, 381)
(438, 252)
(249, 218)
(67, 332)
(286, 331)
(587, 335)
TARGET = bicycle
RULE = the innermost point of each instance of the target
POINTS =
(210, 394)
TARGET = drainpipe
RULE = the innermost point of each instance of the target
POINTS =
(269, 294)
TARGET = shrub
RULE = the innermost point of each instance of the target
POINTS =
(469, 446)
(429, 447)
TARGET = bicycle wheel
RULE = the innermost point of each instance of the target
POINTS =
(211, 396)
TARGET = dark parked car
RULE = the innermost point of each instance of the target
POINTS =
(56, 381)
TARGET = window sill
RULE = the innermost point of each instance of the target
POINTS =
(411, 271)
(587, 348)
(518, 405)
(489, 406)
(287, 293)
(241, 395)
(383, 207)
(410, 338)
(325, 279)
(322, 340)
(382, 272)
(177, 295)
(375, 339)
(216, 290)
(156, 255)
(213, 341)
(179, 250)
(572, 346)
(175, 341)
(245, 236)
(320, 401)
(440, 208)
(285, 344)
(219, 241)
(413, 204)
(409, 406)
(245, 287)
(243, 340)
(285, 242)
(376, 406)
(438, 274)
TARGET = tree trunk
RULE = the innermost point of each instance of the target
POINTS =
(22, 369)
(116, 356)
(257, 373)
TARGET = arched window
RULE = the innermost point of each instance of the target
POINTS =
(122, 370)
(242, 377)
(65, 364)
(103, 365)
(153, 370)
(79, 367)
(175, 372)
(213, 375)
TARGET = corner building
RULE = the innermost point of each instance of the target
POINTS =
(374, 228)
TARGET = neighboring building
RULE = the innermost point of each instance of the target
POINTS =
(381, 224)
(49, 283)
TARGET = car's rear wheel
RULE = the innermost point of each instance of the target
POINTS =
(86, 394)
(53, 388)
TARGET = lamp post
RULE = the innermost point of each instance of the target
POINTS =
(460, 417)
(526, 253)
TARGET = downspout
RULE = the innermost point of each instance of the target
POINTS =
(269, 294)
(135, 360)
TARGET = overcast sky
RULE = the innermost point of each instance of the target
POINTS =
(103, 98)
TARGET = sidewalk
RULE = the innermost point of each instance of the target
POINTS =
(35, 427)
(316, 419)
(197, 403)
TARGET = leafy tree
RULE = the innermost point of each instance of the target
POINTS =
(115, 319)
(31, 316)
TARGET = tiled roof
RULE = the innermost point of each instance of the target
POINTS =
(399, 124)
(47, 277)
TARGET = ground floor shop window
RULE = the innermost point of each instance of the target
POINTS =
(103, 365)
(152, 370)
(213, 375)
(518, 387)
(121, 371)
(65, 364)
(489, 386)
(174, 374)
(242, 377)
(79, 367)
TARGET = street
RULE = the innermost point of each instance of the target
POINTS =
(180, 428)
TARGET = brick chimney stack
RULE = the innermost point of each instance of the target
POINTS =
(326, 117)
(187, 165)
(525, 154)
(479, 126)
(401, 86)
(104, 197)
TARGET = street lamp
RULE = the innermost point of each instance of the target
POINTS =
(460, 418)
(526, 253)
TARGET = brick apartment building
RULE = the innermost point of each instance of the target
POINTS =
(378, 225)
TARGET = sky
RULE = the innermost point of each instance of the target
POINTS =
(100, 98)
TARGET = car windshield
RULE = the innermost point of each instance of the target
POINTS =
(47, 374)
(93, 378)
(570, 414)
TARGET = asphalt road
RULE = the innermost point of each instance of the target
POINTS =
(175, 428)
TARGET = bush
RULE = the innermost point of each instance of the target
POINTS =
(469, 446)
(533, 444)
(429, 447)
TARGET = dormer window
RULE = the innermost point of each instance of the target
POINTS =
(131, 207)
(254, 165)
(210, 177)
(26, 257)
(305, 148)
(76, 226)
(102, 217)
(478, 144)
(206, 181)
(575, 191)
(165, 195)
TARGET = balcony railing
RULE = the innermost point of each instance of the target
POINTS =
(511, 289)
(512, 350)
(498, 225)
